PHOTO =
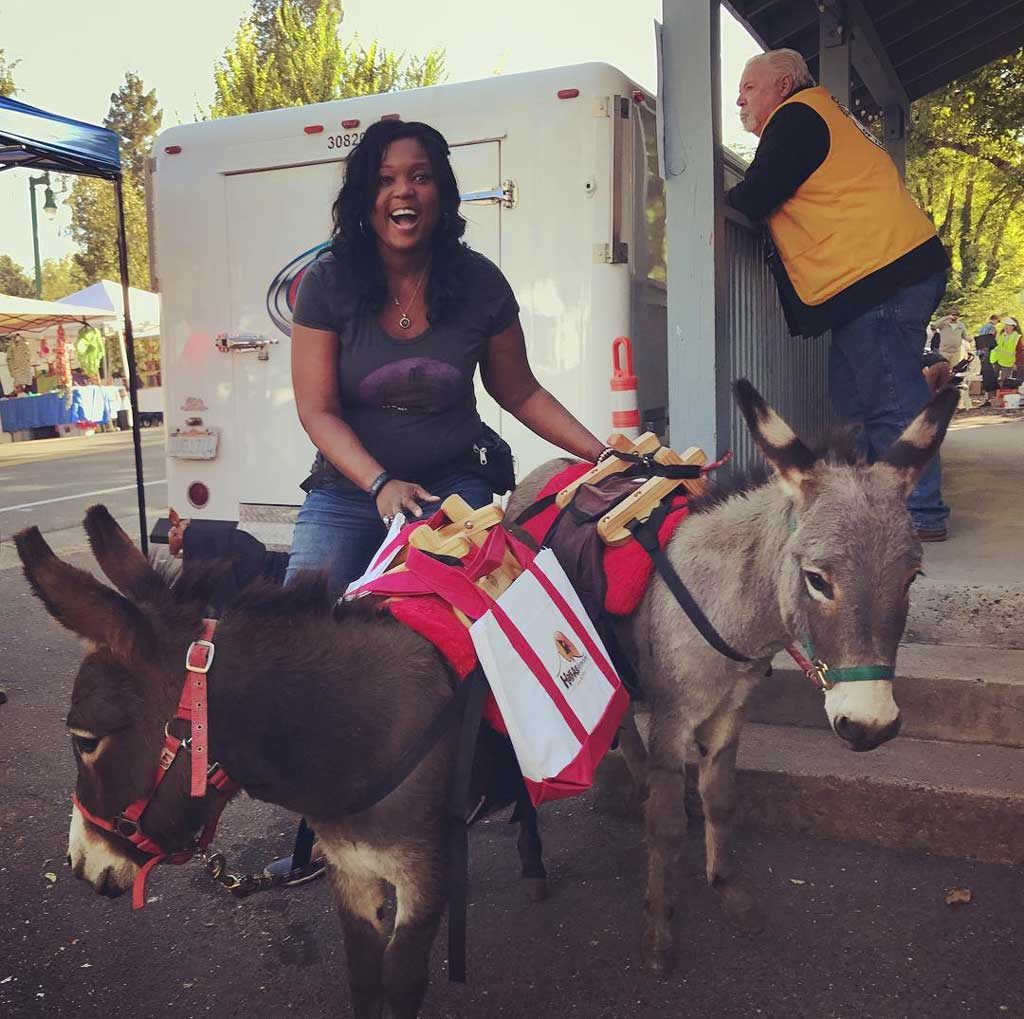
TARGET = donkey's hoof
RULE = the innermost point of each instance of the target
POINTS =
(658, 955)
(742, 909)
(536, 888)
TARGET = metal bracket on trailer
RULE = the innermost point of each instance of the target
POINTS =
(237, 343)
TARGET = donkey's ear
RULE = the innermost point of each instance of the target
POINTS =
(779, 444)
(910, 453)
(80, 602)
(127, 568)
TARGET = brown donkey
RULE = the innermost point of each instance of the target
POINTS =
(307, 708)
(824, 551)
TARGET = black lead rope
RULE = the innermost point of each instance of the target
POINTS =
(647, 534)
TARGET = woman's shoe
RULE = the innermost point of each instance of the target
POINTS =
(284, 872)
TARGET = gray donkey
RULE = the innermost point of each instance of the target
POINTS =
(826, 551)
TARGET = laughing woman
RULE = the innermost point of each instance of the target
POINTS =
(390, 326)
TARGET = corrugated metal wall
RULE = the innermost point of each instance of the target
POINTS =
(754, 343)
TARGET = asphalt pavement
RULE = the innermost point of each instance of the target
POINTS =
(51, 482)
(851, 931)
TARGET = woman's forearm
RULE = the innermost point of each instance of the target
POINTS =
(340, 445)
(543, 414)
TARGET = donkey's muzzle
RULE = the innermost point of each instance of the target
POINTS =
(862, 737)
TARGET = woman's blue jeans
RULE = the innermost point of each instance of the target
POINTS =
(338, 528)
(875, 380)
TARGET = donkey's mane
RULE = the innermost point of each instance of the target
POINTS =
(306, 596)
(837, 447)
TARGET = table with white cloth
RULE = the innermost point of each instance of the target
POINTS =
(89, 405)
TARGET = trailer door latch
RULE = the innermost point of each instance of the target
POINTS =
(237, 343)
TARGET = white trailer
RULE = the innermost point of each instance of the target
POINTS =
(559, 178)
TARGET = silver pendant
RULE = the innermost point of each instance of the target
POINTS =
(405, 321)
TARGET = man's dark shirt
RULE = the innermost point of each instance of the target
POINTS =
(793, 145)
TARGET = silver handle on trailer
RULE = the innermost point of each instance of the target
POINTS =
(237, 343)
(507, 195)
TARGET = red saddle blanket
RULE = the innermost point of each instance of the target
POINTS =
(627, 567)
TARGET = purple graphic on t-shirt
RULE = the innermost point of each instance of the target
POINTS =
(414, 383)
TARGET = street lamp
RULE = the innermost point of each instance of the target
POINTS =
(50, 208)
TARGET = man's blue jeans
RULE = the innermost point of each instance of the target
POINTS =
(875, 381)
(338, 528)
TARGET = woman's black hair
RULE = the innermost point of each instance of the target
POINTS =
(353, 238)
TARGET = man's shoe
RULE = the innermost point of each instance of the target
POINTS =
(284, 871)
(932, 533)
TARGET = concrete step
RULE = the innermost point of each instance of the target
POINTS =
(945, 692)
(950, 799)
(943, 612)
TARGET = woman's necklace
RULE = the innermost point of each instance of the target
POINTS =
(405, 321)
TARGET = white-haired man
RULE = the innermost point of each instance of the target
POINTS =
(852, 254)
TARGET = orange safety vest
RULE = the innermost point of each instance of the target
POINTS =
(851, 217)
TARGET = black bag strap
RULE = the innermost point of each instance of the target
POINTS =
(458, 838)
(647, 534)
(416, 751)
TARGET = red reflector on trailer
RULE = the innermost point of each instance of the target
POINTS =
(172, 150)
(568, 93)
(198, 494)
(638, 96)
(391, 116)
(349, 123)
(313, 128)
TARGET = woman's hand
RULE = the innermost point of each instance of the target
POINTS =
(401, 497)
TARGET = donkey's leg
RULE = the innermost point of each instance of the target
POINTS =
(634, 753)
(718, 739)
(360, 901)
(666, 829)
(420, 900)
(530, 848)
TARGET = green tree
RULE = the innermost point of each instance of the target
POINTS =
(94, 228)
(7, 87)
(135, 117)
(14, 281)
(966, 169)
(290, 53)
(61, 276)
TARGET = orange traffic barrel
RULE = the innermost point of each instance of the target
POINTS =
(625, 410)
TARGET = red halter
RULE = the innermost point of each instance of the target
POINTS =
(192, 707)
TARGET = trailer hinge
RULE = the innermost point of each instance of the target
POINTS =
(507, 195)
(606, 106)
(237, 343)
(615, 254)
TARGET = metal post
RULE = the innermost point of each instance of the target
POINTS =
(32, 182)
(133, 379)
(894, 118)
(695, 223)
(834, 49)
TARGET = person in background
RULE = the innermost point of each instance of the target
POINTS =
(852, 254)
(389, 327)
(953, 345)
(983, 344)
(1008, 352)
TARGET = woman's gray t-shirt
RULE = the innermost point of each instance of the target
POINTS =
(409, 401)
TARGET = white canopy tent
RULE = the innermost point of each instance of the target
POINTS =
(106, 296)
(41, 318)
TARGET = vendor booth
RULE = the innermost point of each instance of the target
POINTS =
(35, 140)
(145, 311)
(41, 388)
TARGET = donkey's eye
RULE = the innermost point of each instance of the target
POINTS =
(85, 744)
(819, 587)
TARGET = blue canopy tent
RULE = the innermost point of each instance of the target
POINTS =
(37, 140)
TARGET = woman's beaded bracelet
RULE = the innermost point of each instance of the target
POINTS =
(378, 483)
(604, 454)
